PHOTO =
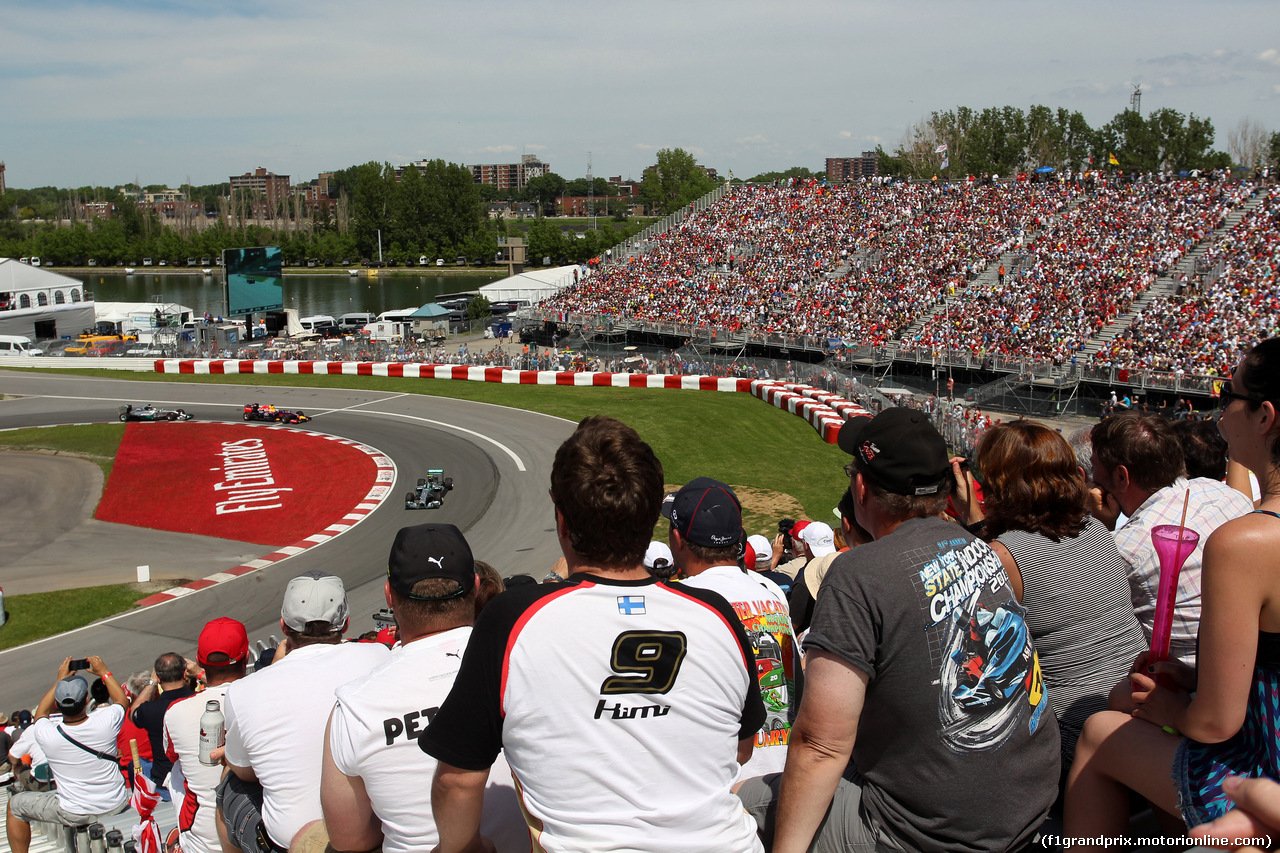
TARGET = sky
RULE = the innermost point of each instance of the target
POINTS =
(110, 92)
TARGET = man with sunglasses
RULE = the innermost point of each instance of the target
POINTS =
(1138, 462)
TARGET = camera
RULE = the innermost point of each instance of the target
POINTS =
(78, 664)
(785, 526)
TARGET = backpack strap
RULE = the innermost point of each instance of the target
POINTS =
(113, 759)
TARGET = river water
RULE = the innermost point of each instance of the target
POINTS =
(309, 294)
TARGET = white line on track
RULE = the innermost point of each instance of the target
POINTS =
(359, 405)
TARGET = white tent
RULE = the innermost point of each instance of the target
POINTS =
(17, 276)
(531, 286)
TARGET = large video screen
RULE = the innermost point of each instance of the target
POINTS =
(253, 280)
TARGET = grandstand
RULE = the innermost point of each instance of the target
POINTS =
(1157, 284)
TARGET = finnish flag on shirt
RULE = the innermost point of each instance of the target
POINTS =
(631, 605)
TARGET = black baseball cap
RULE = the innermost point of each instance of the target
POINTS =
(431, 551)
(706, 512)
(898, 450)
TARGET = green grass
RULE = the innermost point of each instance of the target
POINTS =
(43, 614)
(96, 442)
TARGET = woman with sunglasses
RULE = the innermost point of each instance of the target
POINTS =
(1220, 719)
(1063, 565)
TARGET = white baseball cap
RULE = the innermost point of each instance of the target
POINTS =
(658, 551)
(819, 537)
(764, 551)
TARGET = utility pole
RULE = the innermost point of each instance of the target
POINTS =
(591, 195)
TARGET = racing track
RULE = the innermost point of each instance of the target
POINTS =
(500, 459)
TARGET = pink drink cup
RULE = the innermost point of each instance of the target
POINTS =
(1173, 545)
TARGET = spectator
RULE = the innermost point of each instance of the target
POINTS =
(1063, 565)
(1204, 450)
(658, 680)
(490, 585)
(223, 651)
(1137, 461)
(276, 719)
(706, 527)
(25, 754)
(168, 684)
(1224, 708)
(922, 684)
(6, 743)
(80, 753)
(376, 788)
(763, 551)
(816, 544)
(659, 562)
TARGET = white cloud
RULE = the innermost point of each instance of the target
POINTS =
(846, 134)
(1271, 56)
(497, 149)
(752, 140)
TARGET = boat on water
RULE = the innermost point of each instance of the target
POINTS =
(129, 270)
(207, 270)
(353, 273)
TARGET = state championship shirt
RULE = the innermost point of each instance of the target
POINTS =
(619, 705)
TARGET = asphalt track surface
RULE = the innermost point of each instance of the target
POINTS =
(499, 458)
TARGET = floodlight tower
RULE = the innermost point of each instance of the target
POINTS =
(1135, 100)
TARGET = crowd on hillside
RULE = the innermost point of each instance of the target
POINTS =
(1005, 617)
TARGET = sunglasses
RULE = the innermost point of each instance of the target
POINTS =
(1226, 395)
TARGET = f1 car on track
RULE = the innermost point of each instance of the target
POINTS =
(430, 491)
(256, 412)
(150, 413)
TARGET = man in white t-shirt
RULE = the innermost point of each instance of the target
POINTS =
(706, 527)
(223, 651)
(376, 787)
(276, 718)
(81, 751)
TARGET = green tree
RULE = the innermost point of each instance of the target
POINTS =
(479, 308)
(674, 181)
(1273, 156)
(544, 190)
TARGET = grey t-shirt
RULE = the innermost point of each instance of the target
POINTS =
(957, 748)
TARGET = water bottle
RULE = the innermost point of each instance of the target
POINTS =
(212, 731)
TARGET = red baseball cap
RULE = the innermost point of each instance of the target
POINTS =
(223, 636)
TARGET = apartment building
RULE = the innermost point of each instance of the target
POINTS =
(510, 176)
(853, 168)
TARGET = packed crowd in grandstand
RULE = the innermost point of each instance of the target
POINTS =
(871, 264)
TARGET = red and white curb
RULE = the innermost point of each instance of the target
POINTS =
(379, 492)
(824, 411)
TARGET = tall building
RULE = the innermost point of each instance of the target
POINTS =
(853, 168)
(510, 176)
(1, 177)
(274, 187)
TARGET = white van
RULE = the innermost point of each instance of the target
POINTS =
(310, 323)
(355, 321)
(18, 345)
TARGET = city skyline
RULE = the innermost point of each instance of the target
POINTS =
(169, 91)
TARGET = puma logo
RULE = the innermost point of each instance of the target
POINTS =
(438, 561)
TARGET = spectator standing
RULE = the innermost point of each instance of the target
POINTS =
(376, 788)
(80, 749)
(923, 725)
(223, 651)
(1138, 461)
(706, 527)
(168, 684)
(276, 719)
(816, 543)
(630, 736)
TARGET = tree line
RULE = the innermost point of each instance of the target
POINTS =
(1007, 140)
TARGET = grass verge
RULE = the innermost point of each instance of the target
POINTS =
(97, 443)
(43, 614)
